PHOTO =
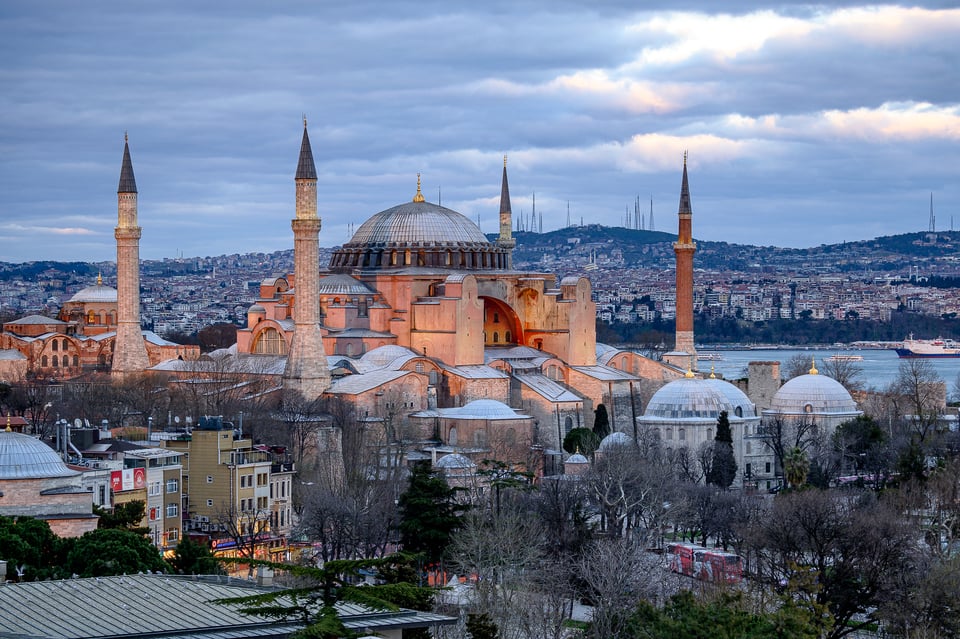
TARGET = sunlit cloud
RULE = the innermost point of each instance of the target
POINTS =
(49, 230)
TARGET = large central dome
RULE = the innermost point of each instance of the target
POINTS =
(418, 234)
(421, 222)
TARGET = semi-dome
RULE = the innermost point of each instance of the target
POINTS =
(25, 457)
(418, 234)
(98, 293)
(692, 398)
(813, 394)
(342, 284)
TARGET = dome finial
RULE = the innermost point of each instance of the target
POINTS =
(304, 120)
(813, 365)
(504, 160)
(419, 196)
(712, 375)
(99, 278)
(689, 374)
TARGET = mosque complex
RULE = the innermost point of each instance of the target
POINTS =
(423, 316)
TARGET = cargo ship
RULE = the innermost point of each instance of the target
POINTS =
(928, 348)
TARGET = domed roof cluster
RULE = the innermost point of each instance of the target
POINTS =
(25, 457)
(813, 394)
(699, 399)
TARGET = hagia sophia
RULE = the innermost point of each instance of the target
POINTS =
(421, 316)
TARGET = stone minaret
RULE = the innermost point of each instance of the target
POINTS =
(505, 239)
(129, 352)
(306, 371)
(684, 249)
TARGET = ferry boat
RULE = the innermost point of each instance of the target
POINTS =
(709, 357)
(928, 348)
(841, 357)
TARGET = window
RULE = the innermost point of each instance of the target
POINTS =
(172, 510)
(452, 436)
(210, 503)
(767, 467)
(496, 337)
(76, 361)
(681, 434)
(496, 318)
(669, 432)
(747, 471)
(419, 367)
(66, 362)
(567, 425)
(173, 485)
(506, 336)
(56, 345)
(63, 344)
(172, 534)
(43, 361)
(154, 488)
(262, 479)
(738, 411)
(270, 342)
(749, 449)
(209, 479)
(56, 361)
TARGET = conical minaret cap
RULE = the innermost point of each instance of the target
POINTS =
(505, 190)
(685, 206)
(128, 183)
(306, 169)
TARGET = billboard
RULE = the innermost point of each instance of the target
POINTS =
(128, 479)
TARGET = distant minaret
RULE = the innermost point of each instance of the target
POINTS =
(505, 240)
(684, 249)
(933, 219)
(650, 226)
(306, 371)
(129, 352)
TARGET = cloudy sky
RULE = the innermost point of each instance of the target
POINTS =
(805, 124)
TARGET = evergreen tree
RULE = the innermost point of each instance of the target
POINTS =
(724, 467)
(480, 626)
(429, 514)
(601, 422)
(581, 440)
(194, 558)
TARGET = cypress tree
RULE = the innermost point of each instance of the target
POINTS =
(724, 467)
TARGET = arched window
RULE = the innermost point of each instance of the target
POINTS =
(63, 343)
(91, 317)
(506, 337)
(496, 337)
(76, 361)
(480, 438)
(56, 345)
(496, 318)
(738, 411)
(452, 436)
(669, 432)
(56, 361)
(270, 342)
(681, 434)
(349, 350)
(43, 361)
(484, 337)
(567, 425)
(66, 361)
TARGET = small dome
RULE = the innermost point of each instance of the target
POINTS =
(256, 308)
(691, 398)
(25, 457)
(483, 409)
(98, 293)
(454, 460)
(614, 440)
(812, 394)
(385, 355)
(577, 458)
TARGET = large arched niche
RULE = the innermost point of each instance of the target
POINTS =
(501, 326)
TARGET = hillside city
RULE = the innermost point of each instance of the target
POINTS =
(631, 272)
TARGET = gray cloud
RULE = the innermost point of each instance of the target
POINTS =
(835, 126)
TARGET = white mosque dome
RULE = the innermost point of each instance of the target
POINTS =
(614, 440)
(98, 293)
(692, 398)
(25, 457)
(483, 409)
(812, 394)
(577, 458)
(454, 461)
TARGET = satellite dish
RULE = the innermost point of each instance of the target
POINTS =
(77, 423)
(176, 420)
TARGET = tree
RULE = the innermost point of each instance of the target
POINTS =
(126, 516)
(844, 370)
(480, 626)
(795, 468)
(194, 558)
(30, 548)
(723, 470)
(311, 600)
(581, 440)
(922, 394)
(429, 514)
(601, 422)
(781, 434)
(111, 551)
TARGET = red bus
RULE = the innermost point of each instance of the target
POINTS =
(705, 564)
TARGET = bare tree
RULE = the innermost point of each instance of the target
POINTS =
(781, 434)
(921, 393)
(799, 364)
(845, 371)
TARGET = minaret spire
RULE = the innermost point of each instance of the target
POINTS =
(684, 248)
(306, 371)
(129, 352)
(505, 239)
